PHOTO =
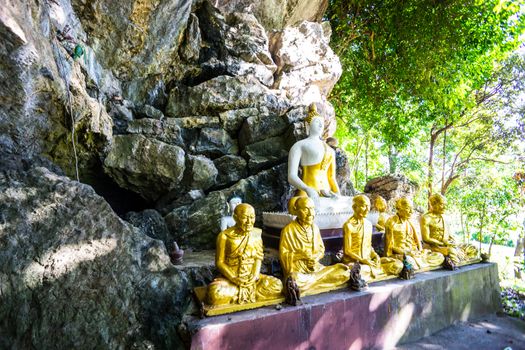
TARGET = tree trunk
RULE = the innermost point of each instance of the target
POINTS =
(434, 134)
(467, 230)
(356, 171)
(366, 158)
(443, 162)
(481, 223)
(355, 161)
(430, 174)
(392, 159)
(520, 250)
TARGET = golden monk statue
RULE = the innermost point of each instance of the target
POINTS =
(436, 235)
(381, 207)
(357, 244)
(401, 239)
(302, 247)
(238, 258)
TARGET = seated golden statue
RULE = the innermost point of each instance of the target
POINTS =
(357, 244)
(401, 239)
(238, 258)
(381, 207)
(436, 236)
(302, 247)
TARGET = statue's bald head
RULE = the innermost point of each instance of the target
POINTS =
(242, 209)
(403, 208)
(304, 209)
(380, 204)
(437, 203)
(244, 216)
(361, 199)
(361, 206)
(303, 202)
(436, 198)
(403, 202)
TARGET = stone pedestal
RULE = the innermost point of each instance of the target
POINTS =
(388, 313)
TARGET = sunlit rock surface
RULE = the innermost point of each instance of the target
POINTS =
(277, 14)
(167, 104)
(391, 187)
(75, 275)
(307, 68)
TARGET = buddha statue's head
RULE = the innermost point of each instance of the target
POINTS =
(361, 206)
(404, 208)
(380, 204)
(244, 216)
(315, 121)
(304, 209)
(438, 203)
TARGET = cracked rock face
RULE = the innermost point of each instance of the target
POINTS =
(74, 275)
(147, 166)
(278, 14)
(175, 104)
(307, 67)
(391, 187)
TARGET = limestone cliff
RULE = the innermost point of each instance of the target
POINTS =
(166, 105)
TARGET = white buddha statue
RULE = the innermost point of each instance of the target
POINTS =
(312, 171)
(228, 221)
(317, 161)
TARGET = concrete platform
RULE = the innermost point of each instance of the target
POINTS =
(387, 314)
(488, 333)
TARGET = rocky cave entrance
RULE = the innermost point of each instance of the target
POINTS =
(121, 200)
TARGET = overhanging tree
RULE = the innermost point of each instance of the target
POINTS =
(413, 66)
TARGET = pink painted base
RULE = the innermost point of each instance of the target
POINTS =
(388, 313)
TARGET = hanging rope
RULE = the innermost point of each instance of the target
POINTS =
(65, 78)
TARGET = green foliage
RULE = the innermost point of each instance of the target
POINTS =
(489, 200)
(409, 64)
(513, 302)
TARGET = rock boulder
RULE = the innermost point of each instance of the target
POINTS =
(146, 166)
(74, 275)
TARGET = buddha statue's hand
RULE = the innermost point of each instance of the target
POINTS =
(237, 281)
(241, 281)
(440, 243)
(329, 194)
(312, 193)
(245, 281)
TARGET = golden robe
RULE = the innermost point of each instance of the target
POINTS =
(243, 255)
(320, 176)
(438, 230)
(401, 236)
(357, 244)
(300, 251)
(381, 221)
